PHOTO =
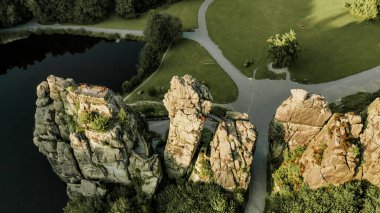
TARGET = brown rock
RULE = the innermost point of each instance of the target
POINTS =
(232, 152)
(331, 156)
(371, 142)
(186, 101)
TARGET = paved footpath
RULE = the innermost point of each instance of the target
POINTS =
(258, 98)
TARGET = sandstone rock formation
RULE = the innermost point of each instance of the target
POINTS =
(336, 152)
(186, 101)
(302, 116)
(90, 138)
(370, 139)
(232, 152)
(332, 156)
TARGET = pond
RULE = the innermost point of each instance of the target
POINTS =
(27, 182)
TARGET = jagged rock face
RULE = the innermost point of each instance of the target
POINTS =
(90, 137)
(186, 101)
(332, 156)
(232, 152)
(371, 141)
(302, 116)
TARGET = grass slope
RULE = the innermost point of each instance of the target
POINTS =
(188, 57)
(334, 43)
(186, 10)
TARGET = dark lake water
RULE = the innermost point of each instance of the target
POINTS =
(27, 182)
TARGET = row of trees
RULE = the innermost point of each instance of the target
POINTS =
(13, 12)
(161, 31)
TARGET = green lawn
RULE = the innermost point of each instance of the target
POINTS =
(188, 57)
(334, 43)
(186, 10)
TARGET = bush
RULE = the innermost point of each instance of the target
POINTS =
(152, 92)
(364, 9)
(127, 86)
(84, 205)
(283, 49)
(94, 120)
(184, 197)
(355, 196)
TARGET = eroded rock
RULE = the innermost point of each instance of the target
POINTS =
(232, 152)
(332, 156)
(370, 139)
(187, 102)
(302, 115)
(90, 137)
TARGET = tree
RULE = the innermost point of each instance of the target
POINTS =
(364, 9)
(89, 11)
(149, 60)
(283, 49)
(126, 8)
(13, 12)
(162, 30)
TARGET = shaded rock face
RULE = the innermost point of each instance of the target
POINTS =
(370, 139)
(333, 155)
(186, 101)
(302, 115)
(232, 152)
(90, 137)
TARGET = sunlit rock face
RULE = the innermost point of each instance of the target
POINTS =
(232, 152)
(90, 138)
(332, 156)
(370, 139)
(302, 116)
(337, 151)
(187, 101)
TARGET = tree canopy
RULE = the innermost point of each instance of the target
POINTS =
(13, 12)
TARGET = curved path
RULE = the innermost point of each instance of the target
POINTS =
(259, 98)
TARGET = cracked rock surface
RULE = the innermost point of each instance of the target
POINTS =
(186, 101)
(302, 115)
(336, 152)
(91, 138)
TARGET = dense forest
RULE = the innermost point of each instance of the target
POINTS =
(13, 12)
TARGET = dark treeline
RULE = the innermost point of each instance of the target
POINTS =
(27, 51)
(13, 12)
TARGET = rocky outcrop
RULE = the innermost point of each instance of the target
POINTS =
(340, 151)
(90, 138)
(232, 152)
(370, 139)
(333, 155)
(302, 116)
(187, 102)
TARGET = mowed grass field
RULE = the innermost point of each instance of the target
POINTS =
(188, 57)
(334, 43)
(186, 10)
